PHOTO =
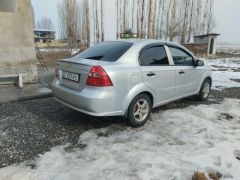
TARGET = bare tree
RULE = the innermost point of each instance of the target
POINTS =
(94, 21)
(102, 21)
(173, 21)
(117, 8)
(133, 13)
(124, 14)
(121, 18)
(62, 21)
(162, 18)
(33, 17)
(45, 23)
(138, 19)
(168, 19)
(204, 20)
(68, 14)
(154, 19)
(85, 24)
(149, 34)
(97, 22)
(158, 17)
(142, 21)
(197, 18)
(185, 23)
(190, 21)
(210, 19)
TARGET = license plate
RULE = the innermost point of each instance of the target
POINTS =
(70, 76)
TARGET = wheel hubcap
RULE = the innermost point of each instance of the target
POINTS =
(141, 110)
(206, 90)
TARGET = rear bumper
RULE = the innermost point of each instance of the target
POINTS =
(93, 101)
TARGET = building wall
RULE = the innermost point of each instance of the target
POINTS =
(203, 40)
(207, 40)
(199, 50)
(214, 45)
(17, 53)
(8, 5)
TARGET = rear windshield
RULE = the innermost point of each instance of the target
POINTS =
(106, 51)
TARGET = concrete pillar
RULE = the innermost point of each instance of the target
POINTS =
(17, 53)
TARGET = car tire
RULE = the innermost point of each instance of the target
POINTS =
(205, 90)
(139, 110)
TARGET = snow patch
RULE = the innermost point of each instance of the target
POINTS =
(229, 48)
(218, 64)
(55, 50)
(74, 51)
(225, 79)
(173, 145)
(225, 71)
(51, 50)
(45, 90)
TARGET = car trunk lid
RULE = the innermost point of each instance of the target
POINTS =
(74, 72)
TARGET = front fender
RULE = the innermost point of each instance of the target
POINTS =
(206, 74)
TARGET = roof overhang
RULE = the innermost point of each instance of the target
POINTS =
(207, 35)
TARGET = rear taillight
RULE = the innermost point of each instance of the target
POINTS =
(98, 77)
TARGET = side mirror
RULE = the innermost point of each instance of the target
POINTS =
(199, 63)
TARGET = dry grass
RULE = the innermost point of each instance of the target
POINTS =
(201, 176)
(215, 176)
(51, 58)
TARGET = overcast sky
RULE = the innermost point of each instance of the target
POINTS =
(227, 15)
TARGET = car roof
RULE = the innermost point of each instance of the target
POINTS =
(144, 42)
(147, 41)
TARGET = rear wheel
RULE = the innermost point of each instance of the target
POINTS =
(205, 90)
(139, 110)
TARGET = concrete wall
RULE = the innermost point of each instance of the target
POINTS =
(17, 53)
(214, 45)
(199, 50)
(198, 40)
(207, 40)
(7, 5)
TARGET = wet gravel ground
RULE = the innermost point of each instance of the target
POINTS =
(30, 128)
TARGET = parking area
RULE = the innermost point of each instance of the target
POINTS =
(46, 140)
(42, 139)
(30, 128)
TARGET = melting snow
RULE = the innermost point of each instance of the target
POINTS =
(173, 145)
(48, 50)
(228, 48)
(45, 90)
(225, 71)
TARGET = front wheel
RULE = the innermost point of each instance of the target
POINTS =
(204, 91)
(139, 110)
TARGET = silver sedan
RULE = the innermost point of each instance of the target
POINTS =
(130, 77)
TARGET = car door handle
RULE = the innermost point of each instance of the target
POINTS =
(181, 72)
(151, 74)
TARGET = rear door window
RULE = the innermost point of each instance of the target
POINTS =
(106, 51)
(153, 56)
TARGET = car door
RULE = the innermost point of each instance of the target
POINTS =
(156, 72)
(187, 75)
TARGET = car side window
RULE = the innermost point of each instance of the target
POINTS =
(153, 56)
(180, 57)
